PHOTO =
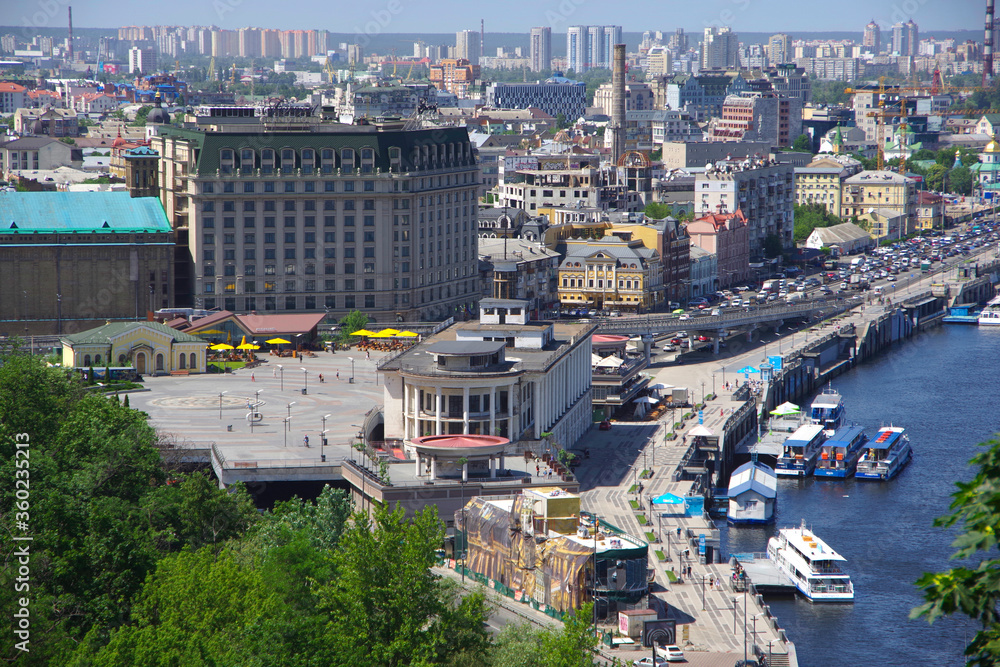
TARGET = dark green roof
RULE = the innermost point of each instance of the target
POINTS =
(103, 333)
(210, 144)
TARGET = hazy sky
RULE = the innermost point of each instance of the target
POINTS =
(387, 16)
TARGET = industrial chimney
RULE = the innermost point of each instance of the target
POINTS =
(71, 32)
(988, 44)
(617, 125)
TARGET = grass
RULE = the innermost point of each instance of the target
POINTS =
(661, 556)
(650, 536)
(220, 367)
(633, 488)
(646, 474)
(641, 518)
(671, 576)
(634, 504)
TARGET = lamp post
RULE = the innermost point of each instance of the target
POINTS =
(713, 384)
(221, 394)
(281, 370)
(58, 313)
(288, 426)
(703, 592)
(305, 380)
(253, 410)
(735, 601)
(755, 629)
(322, 444)
(351, 359)
(289, 406)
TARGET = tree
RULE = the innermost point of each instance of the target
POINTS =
(810, 216)
(657, 211)
(385, 606)
(353, 321)
(802, 143)
(571, 646)
(960, 180)
(772, 245)
(140, 116)
(935, 177)
(561, 121)
(68, 140)
(973, 592)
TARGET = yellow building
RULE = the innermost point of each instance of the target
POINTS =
(150, 348)
(881, 190)
(610, 274)
(821, 182)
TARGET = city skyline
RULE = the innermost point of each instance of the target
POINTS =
(400, 16)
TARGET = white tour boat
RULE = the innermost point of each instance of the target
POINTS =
(811, 564)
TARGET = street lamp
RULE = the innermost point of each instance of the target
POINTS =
(322, 446)
(253, 410)
(755, 630)
(289, 406)
(221, 394)
(281, 369)
(351, 359)
(59, 313)
(305, 380)
(288, 426)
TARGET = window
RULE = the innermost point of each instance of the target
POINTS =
(328, 186)
(348, 268)
(287, 160)
(369, 284)
(367, 160)
(349, 285)
(310, 237)
(229, 238)
(289, 253)
(249, 222)
(250, 253)
(369, 186)
(329, 221)
(229, 254)
(228, 205)
(229, 223)
(289, 237)
(369, 237)
(349, 301)
(269, 221)
(248, 188)
(250, 286)
(327, 162)
(330, 285)
(330, 301)
(310, 285)
(329, 237)
(348, 186)
(209, 254)
(309, 205)
(268, 285)
(289, 205)
(347, 160)
(226, 158)
(329, 269)
(308, 161)
(329, 204)
(267, 162)
(290, 186)
(208, 188)
(208, 223)
(348, 221)
(348, 237)
(369, 300)
(270, 253)
(269, 270)
(290, 303)
(369, 221)
(369, 267)
(289, 221)
(368, 204)
(269, 186)
(370, 253)
(209, 288)
(348, 204)
(207, 206)
(230, 288)
(289, 285)
(268, 237)
(208, 239)
(250, 270)
(349, 253)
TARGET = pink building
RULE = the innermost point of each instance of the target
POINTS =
(726, 235)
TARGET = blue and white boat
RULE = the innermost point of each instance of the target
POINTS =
(885, 455)
(838, 457)
(828, 409)
(753, 493)
(800, 451)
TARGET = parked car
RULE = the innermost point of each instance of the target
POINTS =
(671, 653)
(650, 662)
(605, 425)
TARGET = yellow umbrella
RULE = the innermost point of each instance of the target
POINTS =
(407, 334)
(381, 334)
(279, 341)
(221, 346)
(388, 332)
(247, 346)
(363, 332)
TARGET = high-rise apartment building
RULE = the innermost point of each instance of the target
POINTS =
(912, 38)
(899, 39)
(343, 217)
(779, 49)
(872, 41)
(678, 41)
(467, 46)
(142, 60)
(541, 49)
(590, 47)
(719, 48)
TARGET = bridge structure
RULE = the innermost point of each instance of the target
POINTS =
(717, 326)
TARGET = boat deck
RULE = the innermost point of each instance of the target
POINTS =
(765, 575)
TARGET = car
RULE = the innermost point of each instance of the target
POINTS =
(716, 312)
(650, 662)
(605, 425)
(669, 347)
(676, 341)
(685, 316)
(703, 339)
(671, 653)
(615, 313)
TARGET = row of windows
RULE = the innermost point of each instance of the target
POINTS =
(622, 284)
(229, 205)
(290, 187)
(292, 303)
(326, 160)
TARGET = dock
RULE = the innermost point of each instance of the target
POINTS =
(765, 576)
(965, 313)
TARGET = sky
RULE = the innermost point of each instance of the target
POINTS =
(442, 16)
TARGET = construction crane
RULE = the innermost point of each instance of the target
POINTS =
(409, 74)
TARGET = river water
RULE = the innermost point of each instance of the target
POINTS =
(942, 387)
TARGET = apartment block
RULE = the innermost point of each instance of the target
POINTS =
(554, 97)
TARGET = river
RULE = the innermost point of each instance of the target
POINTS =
(939, 386)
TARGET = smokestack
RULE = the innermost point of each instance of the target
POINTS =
(617, 125)
(71, 31)
(988, 44)
(482, 40)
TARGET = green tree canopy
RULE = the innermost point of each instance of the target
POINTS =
(803, 143)
(973, 590)
(353, 321)
(810, 216)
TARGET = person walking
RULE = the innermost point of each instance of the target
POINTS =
(252, 378)
(305, 440)
(338, 375)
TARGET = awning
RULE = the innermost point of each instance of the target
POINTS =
(701, 430)
(668, 499)
(786, 408)
(610, 362)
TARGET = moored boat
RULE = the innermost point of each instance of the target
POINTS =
(838, 457)
(885, 455)
(800, 451)
(828, 409)
(811, 564)
(990, 314)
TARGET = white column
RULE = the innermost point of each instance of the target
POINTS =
(493, 410)
(465, 410)
(465, 471)
(493, 470)
(406, 415)
(437, 418)
(510, 410)
(417, 457)
(434, 467)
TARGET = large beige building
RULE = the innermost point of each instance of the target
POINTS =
(881, 191)
(302, 216)
(612, 273)
(822, 180)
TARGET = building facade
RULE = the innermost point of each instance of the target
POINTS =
(881, 190)
(638, 97)
(752, 116)
(502, 375)
(454, 75)
(725, 235)
(719, 48)
(779, 49)
(611, 274)
(822, 181)
(150, 348)
(541, 49)
(73, 259)
(522, 270)
(552, 97)
(764, 190)
(34, 153)
(468, 46)
(12, 97)
(369, 217)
